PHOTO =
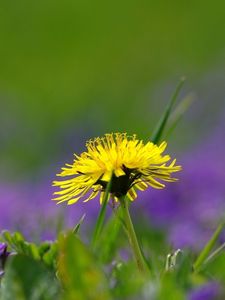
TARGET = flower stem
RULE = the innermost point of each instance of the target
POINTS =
(132, 236)
(101, 216)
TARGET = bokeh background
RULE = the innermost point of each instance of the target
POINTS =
(73, 70)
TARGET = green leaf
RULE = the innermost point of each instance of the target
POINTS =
(18, 237)
(79, 272)
(109, 241)
(7, 237)
(128, 282)
(26, 278)
(50, 256)
(183, 270)
(169, 289)
(160, 127)
(215, 268)
(17, 243)
(47, 251)
(44, 247)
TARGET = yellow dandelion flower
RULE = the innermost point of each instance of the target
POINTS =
(132, 165)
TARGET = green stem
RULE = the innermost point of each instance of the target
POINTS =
(101, 216)
(132, 236)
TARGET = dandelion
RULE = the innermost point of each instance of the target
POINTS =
(116, 164)
(129, 163)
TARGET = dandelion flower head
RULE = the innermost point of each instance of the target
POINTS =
(127, 163)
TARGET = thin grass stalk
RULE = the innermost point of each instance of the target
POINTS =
(141, 264)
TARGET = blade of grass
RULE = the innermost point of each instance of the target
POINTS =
(101, 216)
(158, 131)
(176, 116)
(214, 254)
(77, 226)
(208, 248)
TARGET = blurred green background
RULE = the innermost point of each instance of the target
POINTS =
(70, 70)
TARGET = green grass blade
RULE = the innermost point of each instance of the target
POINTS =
(101, 216)
(208, 247)
(77, 226)
(157, 133)
(177, 115)
(214, 254)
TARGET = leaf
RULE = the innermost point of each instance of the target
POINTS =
(7, 237)
(109, 240)
(50, 256)
(160, 127)
(43, 248)
(169, 288)
(215, 268)
(128, 281)
(183, 270)
(25, 278)
(46, 251)
(79, 272)
(17, 242)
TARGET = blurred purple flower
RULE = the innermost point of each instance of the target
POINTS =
(3, 251)
(3, 256)
(27, 207)
(210, 291)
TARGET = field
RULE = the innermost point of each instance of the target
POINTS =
(112, 150)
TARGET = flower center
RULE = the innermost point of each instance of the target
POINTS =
(120, 185)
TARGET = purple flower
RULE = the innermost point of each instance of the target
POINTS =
(210, 291)
(3, 256)
(3, 248)
(27, 207)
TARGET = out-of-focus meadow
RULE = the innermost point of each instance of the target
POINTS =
(73, 70)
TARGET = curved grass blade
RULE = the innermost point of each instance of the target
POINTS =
(77, 226)
(208, 248)
(181, 109)
(158, 131)
(101, 216)
(214, 254)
